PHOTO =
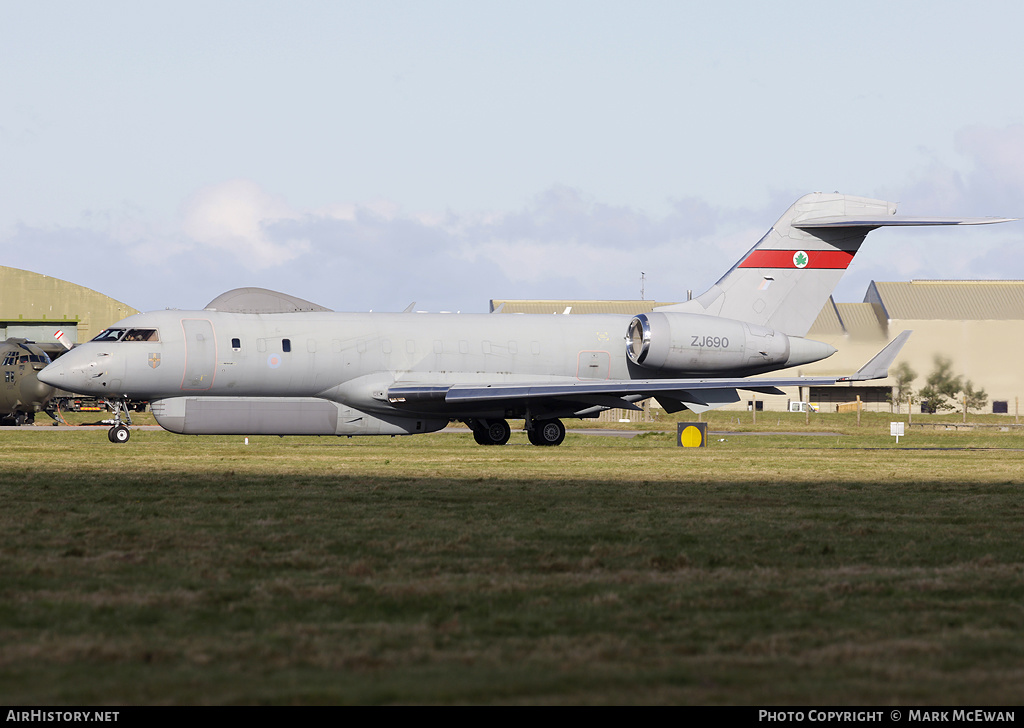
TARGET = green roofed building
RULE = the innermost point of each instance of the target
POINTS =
(35, 307)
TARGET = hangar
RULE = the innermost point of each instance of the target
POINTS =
(34, 306)
(978, 325)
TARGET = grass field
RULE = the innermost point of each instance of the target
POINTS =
(761, 570)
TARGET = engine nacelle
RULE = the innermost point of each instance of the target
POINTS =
(694, 343)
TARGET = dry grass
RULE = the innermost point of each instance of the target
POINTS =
(430, 570)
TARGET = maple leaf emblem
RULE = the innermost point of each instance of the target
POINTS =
(800, 259)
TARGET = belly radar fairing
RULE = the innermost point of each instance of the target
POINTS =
(260, 362)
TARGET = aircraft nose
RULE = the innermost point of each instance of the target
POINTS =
(52, 374)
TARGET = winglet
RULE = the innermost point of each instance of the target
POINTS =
(878, 367)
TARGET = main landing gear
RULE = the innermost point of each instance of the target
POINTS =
(546, 432)
(497, 432)
(490, 432)
(119, 432)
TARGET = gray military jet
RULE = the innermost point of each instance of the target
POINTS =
(22, 395)
(260, 362)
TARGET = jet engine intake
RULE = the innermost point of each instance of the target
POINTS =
(694, 343)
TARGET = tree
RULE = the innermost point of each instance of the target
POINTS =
(904, 376)
(975, 399)
(941, 387)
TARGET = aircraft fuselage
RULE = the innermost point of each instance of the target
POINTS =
(329, 373)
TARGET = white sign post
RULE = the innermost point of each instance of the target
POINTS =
(895, 430)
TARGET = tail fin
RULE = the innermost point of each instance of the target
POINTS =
(784, 281)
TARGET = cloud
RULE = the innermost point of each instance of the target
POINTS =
(234, 216)
(562, 243)
(990, 182)
(997, 177)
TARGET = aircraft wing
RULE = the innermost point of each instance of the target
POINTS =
(695, 394)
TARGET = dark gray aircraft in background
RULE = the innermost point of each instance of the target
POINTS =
(259, 362)
(22, 395)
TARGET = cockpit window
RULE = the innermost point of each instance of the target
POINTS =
(110, 335)
(14, 357)
(142, 335)
(128, 335)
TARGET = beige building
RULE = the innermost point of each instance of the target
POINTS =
(35, 307)
(978, 325)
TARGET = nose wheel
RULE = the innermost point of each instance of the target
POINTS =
(119, 432)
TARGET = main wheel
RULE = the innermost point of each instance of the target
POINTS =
(494, 432)
(118, 434)
(547, 432)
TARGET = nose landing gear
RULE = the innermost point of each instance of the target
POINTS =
(119, 432)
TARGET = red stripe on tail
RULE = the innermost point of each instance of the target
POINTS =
(789, 259)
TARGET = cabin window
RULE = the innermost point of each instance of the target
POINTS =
(236, 344)
(1000, 407)
(286, 345)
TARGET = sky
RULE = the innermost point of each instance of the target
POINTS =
(367, 155)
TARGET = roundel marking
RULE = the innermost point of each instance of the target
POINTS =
(690, 437)
(800, 259)
(274, 361)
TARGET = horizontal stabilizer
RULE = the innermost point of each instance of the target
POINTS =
(877, 221)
